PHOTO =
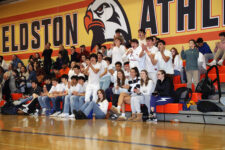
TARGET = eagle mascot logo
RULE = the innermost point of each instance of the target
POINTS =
(104, 17)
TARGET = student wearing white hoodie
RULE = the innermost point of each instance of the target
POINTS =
(142, 96)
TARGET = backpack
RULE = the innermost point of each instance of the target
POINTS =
(144, 111)
(183, 95)
(207, 106)
(206, 87)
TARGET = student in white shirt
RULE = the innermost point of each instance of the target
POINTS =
(105, 78)
(118, 66)
(117, 50)
(142, 96)
(164, 59)
(98, 108)
(72, 88)
(127, 69)
(133, 55)
(62, 90)
(77, 98)
(149, 51)
(141, 36)
(75, 72)
(93, 72)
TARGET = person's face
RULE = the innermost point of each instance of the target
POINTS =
(83, 58)
(141, 34)
(117, 42)
(72, 50)
(82, 49)
(154, 40)
(47, 81)
(100, 95)
(160, 76)
(191, 44)
(76, 70)
(118, 67)
(56, 71)
(93, 60)
(54, 83)
(132, 73)
(99, 57)
(61, 47)
(117, 34)
(173, 52)
(19, 65)
(200, 44)
(22, 69)
(134, 44)
(161, 46)
(222, 38)
(45, 88)
(74, 81)
(81, 81)
(143, 75)
(48, 45)
(127, 67)
(13, 57)
(63, 80)
(149, 43)
(37, 55)
(119, 75)
(34, 85)
(103, 49)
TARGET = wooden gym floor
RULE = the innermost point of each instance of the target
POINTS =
(30, 133)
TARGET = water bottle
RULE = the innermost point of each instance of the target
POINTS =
(93, 116)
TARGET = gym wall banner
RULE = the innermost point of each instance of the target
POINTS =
(25, 26)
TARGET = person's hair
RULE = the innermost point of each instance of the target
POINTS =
(192, 40)
(126, 63)
(94, 56)
(48, 43)
(176, 53)
(118, 31)
(147, 78)
(163, 72)
(104, 46)
(103, 93)
(142, 30)
(150, 38)
(118, 63)
(136, 71)
(74, 77)
(39, 57)
(134, 41)
(82, 46)
(99, 53)
(108, 59)
(34, 81)
(77, 66)
(120, 83)
(222, 34)
(65, 76)
(199, 40)
(73, 47)
(47, 78)
(81, 78)
(161, 41)
(120, 38)
(55, 79)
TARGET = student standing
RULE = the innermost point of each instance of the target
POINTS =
(47, 53)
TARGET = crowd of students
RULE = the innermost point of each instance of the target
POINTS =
(137, 73)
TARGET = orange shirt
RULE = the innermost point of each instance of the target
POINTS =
(64, 71)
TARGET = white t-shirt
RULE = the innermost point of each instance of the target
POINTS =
(162, 65)
(57, 88)
(178, 63)
(148, 63)
(83, 88)
(93, 78)
(117, 53)
(74, 88)
(104, 66)
(104, 106)
(72, 73)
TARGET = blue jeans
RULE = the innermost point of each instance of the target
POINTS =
(105, 82)
(55, 102)
(66, 108)
(75, 102)
(26, 99)
(89, 107)
(41, 100)
(158, 100)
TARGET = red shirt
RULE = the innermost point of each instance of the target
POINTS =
(64, 71)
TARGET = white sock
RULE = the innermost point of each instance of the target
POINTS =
(123, 115)
(118, 107)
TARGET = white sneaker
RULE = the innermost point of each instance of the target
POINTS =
(43, 111)
(212, 63)
(16, 103)
(220, 62)
(55, 114)
(72, 116)
(63, 115)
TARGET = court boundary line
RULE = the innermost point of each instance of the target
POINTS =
(96, 139)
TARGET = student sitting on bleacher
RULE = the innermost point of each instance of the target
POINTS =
(163, 94)
(89, 108)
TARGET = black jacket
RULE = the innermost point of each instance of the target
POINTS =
(165, 88)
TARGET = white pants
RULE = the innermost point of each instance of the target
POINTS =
(91, 90)
(137, 100)
(153, 76)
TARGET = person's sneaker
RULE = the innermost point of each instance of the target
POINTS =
(152, 117)
(16, 103)
(212, 63)
(72, 116)
(43, 111)
(115, 110)
(220, 62)
(24, 109)
(55, 114)
(121, 118)
(63, 115)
